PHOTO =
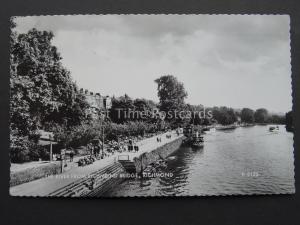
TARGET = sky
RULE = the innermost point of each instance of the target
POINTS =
(222, 60)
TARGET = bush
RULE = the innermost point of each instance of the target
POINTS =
(131, 128)
(37, 152)
(19, 149)
(83, 134)
(77, 136)
(24, 150)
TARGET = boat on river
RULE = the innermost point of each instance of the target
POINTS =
(197, 142)
(274, 129)
(209, 130)
(193, 137)
(247, 125)
(227, 127)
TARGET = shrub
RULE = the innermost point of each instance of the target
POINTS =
(37, 152)
(19, 149)
(24, 150)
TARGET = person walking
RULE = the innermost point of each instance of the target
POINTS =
(71, 155)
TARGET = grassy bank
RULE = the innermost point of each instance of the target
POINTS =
(34, 173)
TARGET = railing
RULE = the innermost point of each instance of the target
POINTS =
(123, 157)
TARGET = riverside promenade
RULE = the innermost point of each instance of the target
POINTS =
(47, 185)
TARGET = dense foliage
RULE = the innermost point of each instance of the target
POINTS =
(224, 115)
(247, 115)
(83, 134)
(171, 94)
(261, 115)
(41, 90)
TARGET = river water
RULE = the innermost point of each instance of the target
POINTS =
(247, 160)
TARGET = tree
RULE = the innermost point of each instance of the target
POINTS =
(276, 119)
(261, 115)
(145, 108)
(197, 114)
(142, 104)
(171, 95)
(247, 115)
(120, 107)
(224, 115)
(41, 88)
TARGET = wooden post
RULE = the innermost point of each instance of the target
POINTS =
(51, 157)
(61, 165)
(62, 158)
(102, 132)
(102, 139)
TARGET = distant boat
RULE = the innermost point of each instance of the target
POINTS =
(247, 125)
(204, 129)
(274, 129)
(209, 130)
(226, 127)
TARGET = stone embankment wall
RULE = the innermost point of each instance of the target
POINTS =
(161, 152)
(93, 185)
(98, 183)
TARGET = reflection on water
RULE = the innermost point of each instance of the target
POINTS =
(241, 161)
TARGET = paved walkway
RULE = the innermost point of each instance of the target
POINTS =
(44, 186)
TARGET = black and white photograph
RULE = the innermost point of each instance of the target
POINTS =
(150, 105)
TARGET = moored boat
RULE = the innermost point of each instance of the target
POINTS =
(193, 137)
(247, 125)
(197, 142)
(274, 129)
(209, 131)
(226, 127)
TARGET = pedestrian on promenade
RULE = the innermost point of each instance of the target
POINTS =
(136, 148)
(71, 155)
(177, 131)
(90, 148)
(97, 151)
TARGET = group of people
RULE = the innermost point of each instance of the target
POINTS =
(168, 136)
(94, 150)
(125, 144)
(87, 160)
(69, 152)
(132, 147)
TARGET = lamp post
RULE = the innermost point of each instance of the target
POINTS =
(102, 117)
(51, 154)
(102, 140)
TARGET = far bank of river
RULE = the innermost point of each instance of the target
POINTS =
(245, 160)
